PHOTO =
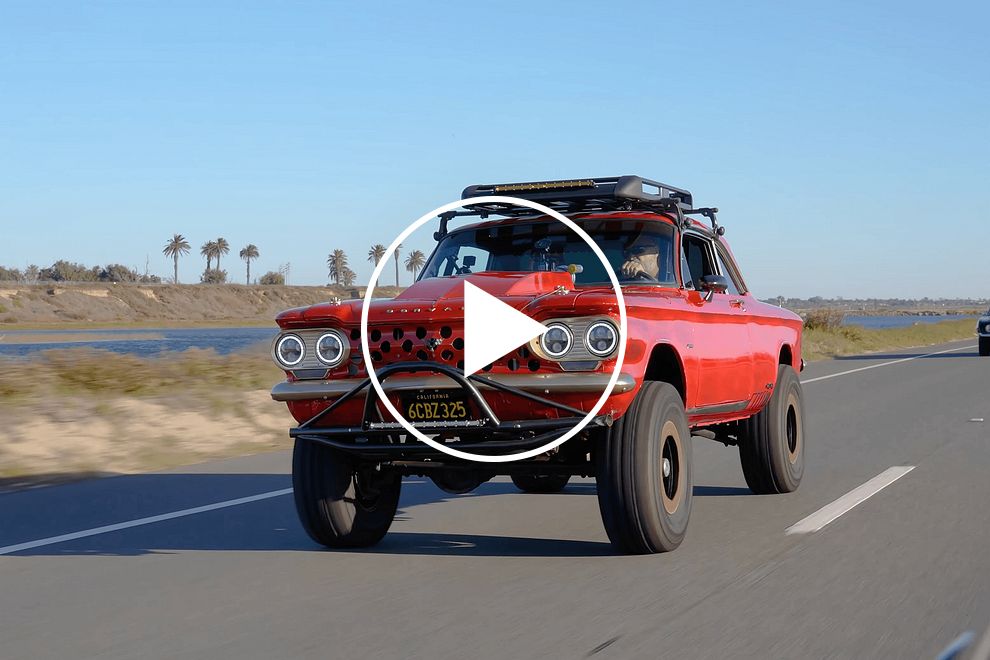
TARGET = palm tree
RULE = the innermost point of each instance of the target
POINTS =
(222, 248)
(414, 262)
(176, 247)
(208, 250)
(348, 276)
(376, 253)
(395, 254)
(337, 262)
(249, 252)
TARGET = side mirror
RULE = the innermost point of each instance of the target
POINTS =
(469, 261)
(712, 284)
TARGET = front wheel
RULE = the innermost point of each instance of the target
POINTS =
(342, 504)
(771, 445)
(644, 473)
(984, 346)
(540, 483)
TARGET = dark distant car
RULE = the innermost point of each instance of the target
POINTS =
(983, 329)
(703, 357)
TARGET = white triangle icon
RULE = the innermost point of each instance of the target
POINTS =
(492, 329)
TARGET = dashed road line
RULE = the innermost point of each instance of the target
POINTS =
(850, 500)
(885, 364)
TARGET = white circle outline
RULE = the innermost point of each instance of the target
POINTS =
(302, 349)
(340, 342)
(366, 351)
(587, 338)
(570, 340)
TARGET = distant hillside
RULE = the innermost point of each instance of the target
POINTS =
(167, 303)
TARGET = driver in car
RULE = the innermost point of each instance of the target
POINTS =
(641, 260)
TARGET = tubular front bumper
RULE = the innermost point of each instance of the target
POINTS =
(304, 390)
(376, 438)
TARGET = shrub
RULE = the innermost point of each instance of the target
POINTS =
(272, 278)
(66, 271)
(117, 273)
(9, 274)
(214, 276)
(824, 319)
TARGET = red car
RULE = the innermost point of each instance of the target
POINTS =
(703, 357)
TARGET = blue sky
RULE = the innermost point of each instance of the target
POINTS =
(839, 140)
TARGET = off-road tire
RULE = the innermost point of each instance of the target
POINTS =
(339, 508)
(772, 442)
(984, 346)
(644, 511)
(540, 483)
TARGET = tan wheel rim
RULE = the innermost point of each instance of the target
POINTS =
(671, 467)
(793, 428)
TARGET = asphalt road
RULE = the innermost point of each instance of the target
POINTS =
(499, 574)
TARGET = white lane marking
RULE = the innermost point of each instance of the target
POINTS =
(51, 540)
(886, 364)
(853, 498)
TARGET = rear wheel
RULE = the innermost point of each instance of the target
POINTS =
(540, 483)
(984, 346)
(771, 445)
(342, 504)
(644, 473)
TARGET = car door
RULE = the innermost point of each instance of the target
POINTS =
(764, 345)
(721, 339)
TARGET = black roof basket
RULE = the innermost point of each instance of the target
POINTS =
(622, 193)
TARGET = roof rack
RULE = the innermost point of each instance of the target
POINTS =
(621, 193)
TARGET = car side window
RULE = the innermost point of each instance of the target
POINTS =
(699, 259)
(733, 289)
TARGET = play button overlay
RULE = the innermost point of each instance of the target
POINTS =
(492, 329)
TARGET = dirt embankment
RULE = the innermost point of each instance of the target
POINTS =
(122, 304)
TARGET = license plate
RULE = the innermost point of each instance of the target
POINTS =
(435, 406)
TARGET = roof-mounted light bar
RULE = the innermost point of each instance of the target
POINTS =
(538, 186)
(585, 195)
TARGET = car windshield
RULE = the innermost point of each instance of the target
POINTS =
(638, 250)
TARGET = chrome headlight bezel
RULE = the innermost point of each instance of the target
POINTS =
(277, 350)
(342, 344)
(612, 346)
(567, 347)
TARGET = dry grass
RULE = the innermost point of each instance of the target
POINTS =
(79, 411)
(821, 343)
(88, 372)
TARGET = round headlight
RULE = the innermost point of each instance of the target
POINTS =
(289, 350)
(601, 338)
(330, 349)
(556, 341)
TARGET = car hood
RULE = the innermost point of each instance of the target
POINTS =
(441, 299)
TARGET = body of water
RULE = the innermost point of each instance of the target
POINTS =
(878, 322)
(142, 341)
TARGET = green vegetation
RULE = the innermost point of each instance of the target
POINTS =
(415, 261)
(824, 340)
(340, 272)
(247, 253)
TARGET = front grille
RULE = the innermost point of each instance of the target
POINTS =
(422, 343)
(389, 344)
